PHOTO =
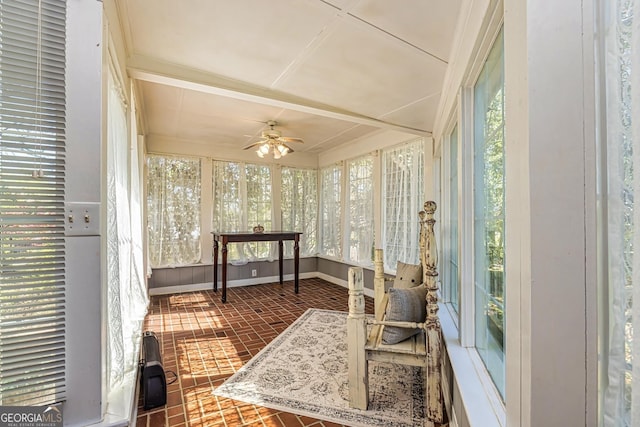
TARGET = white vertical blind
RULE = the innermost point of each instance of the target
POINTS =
(32, 174)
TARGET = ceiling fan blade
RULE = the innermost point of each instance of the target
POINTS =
(288, 139)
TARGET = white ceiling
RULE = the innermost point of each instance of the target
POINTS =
(328, 71)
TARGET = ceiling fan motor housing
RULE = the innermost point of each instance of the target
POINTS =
(271, 134)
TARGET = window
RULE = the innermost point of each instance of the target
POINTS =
(258, 206)
(241, 200)
(173, 209)
(300, 208)
(360, 208)
(489, 215)
(330, 211)
(402, 199)
(32, 187)
(451, 245)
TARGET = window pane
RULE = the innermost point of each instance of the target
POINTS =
(173, 210)
(242, 200)
(330, 211)
(402, 199)
(228, 203)
(258, 178)
(489, 219)
(300, 208)
(452, 251)
(361, 226)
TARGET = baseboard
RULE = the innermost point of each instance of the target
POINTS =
(166, 290)
(368, 292)
(332, 279)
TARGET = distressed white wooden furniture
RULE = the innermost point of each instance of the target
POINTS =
(364, 334)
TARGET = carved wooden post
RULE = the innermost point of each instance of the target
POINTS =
(434, 336)
(378, 284)
(356, 339)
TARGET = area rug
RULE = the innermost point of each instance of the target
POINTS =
(304, 371)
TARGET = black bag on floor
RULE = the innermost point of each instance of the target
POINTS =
(153, 383)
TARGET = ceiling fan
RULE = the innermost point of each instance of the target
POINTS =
(273, 142)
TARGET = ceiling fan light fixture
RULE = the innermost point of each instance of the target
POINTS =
(273, 143)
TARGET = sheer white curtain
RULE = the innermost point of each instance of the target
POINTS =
(621, 404)
(299, 200)
(360, 207)
(330, 220)
(173, 210)
(403, 198)
(126, 291)
(241, 200)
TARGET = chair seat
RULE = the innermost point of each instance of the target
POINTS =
(415, 345)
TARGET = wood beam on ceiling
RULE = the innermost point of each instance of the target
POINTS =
(151, 70)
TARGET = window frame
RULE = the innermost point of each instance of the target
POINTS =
(446, 215)
(458, 329)
(488, 220)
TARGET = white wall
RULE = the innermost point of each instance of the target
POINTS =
(367, 144)
(551, 211)
(83, 184)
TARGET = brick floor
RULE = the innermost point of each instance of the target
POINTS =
(205, 342)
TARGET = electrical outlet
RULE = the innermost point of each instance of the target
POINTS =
(254, 273)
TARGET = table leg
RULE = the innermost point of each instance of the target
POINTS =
(296, 263)
(280, 256)
(215, 266)
(224, 271)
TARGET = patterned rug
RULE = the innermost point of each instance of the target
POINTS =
(304, 371)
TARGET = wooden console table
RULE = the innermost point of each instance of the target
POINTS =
(267, 236)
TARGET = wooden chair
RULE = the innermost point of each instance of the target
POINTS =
(364, 334)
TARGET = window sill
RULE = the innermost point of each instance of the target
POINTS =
(479, 398)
